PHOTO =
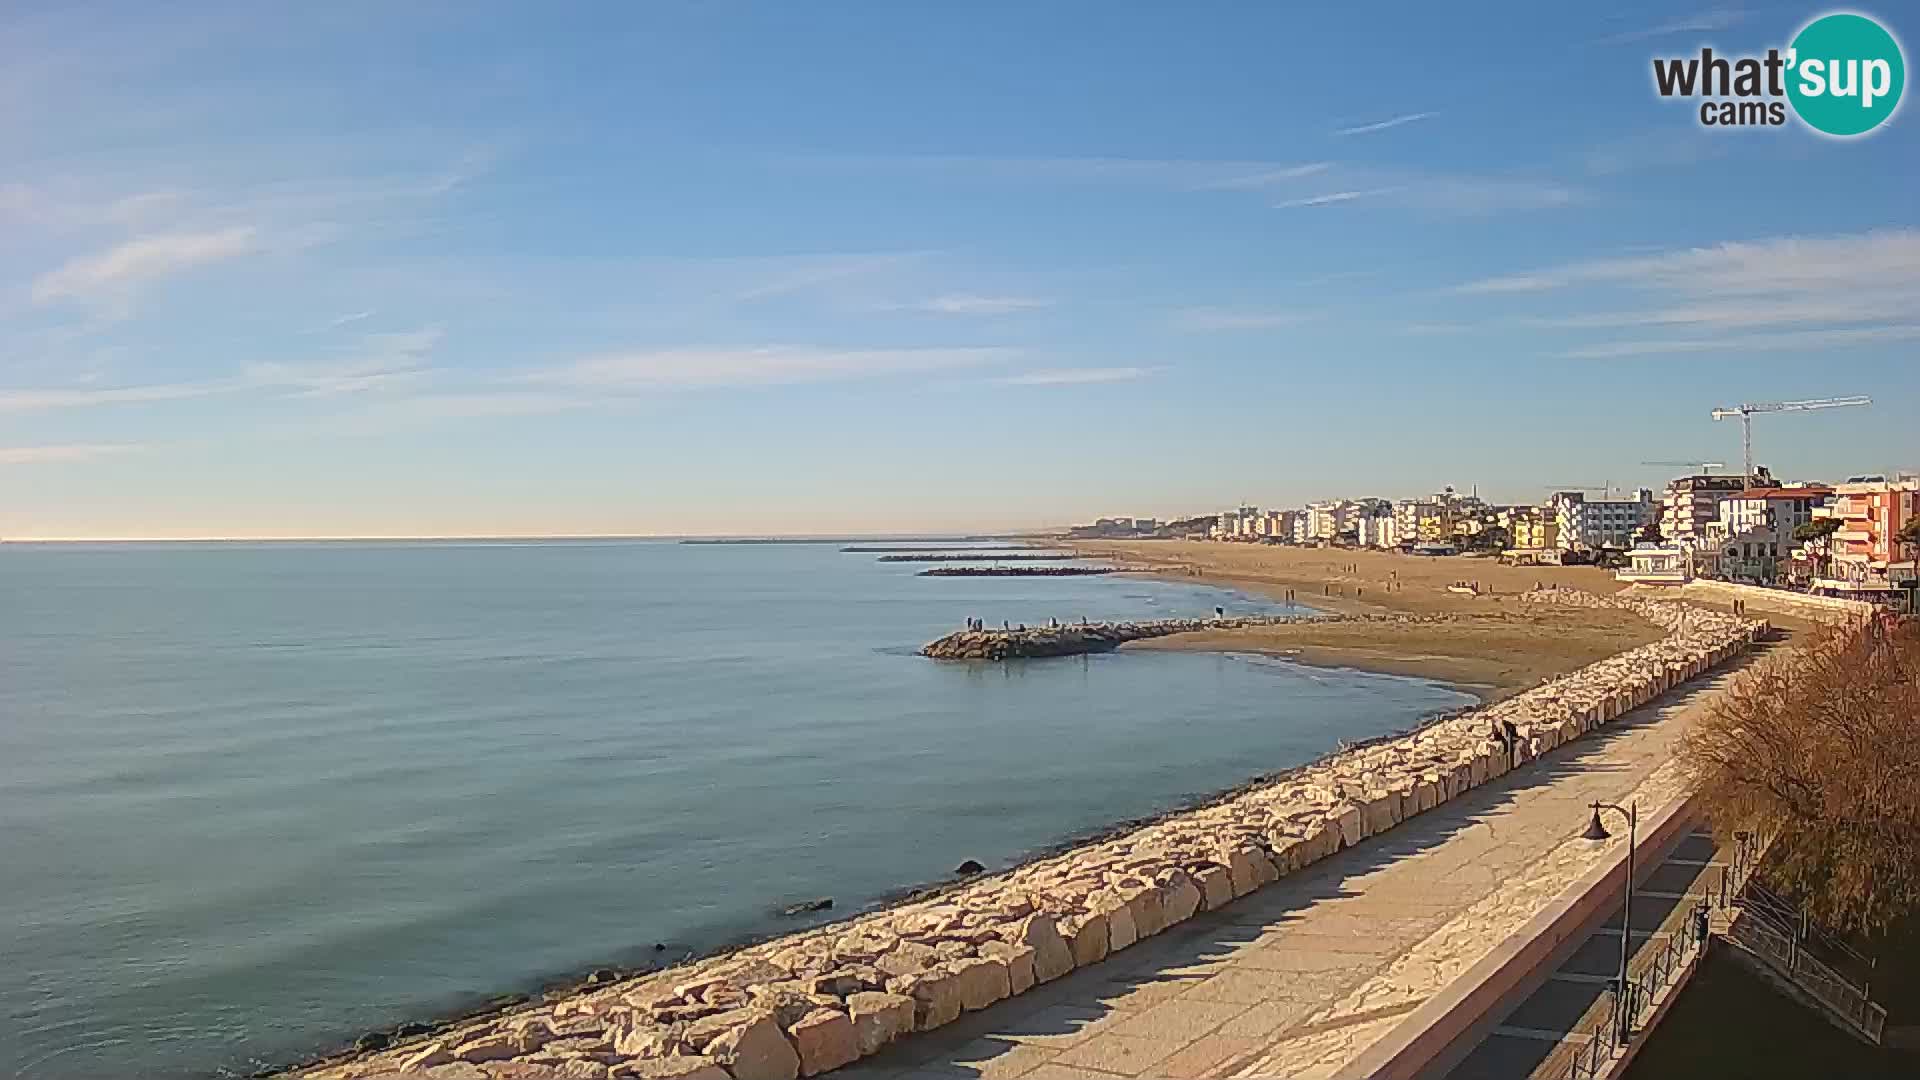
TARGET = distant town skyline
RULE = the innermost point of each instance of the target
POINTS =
(691, 270)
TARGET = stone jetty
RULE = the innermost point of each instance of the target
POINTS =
(1019, 571)
(1028, 642)
(809, 1002)
(961, 557)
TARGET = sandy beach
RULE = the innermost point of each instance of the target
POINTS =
(1492, 646)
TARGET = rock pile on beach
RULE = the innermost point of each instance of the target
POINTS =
(815, 1000)
(1076, 638)
(1032, 642)
(1019, 571)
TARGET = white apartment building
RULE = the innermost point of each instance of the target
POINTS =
(1327, 520)
(1601, 523)
(1378, 530)
(1782, 508)
(1690, 503)
(1417, 519)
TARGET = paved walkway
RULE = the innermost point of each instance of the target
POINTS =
(1298, 978)
(1538, 1038)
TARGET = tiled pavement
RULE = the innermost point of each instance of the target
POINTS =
(1524, 1042)
(1298, 978)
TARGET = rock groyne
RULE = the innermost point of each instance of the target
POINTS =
(1019, 571)
(961, 557)
(812, 1001)
(1029, 642)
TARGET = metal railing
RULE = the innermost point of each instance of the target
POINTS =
(1613, 1020)
(1779, 933)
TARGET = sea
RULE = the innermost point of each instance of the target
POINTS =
(258, 799)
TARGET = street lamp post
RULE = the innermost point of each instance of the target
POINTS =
(1598, 831)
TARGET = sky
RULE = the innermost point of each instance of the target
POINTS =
(369, 269)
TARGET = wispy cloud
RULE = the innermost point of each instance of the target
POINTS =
(1213, 318)
(1329, 199)
(141, 260)
(1770, 342)
(765, 365)
(1267, 177)
(81, 397)
(1076, 376)
(69, 452)
(1383, 125)
(381, 362)
(1872, 261)
(1848, 289)
(1180, 174)
(1701, 22)
(1396, 189)
(975, 304)
(350, 318)
(1451, 195)
(797, 274)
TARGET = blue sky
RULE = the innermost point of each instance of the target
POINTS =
(376, 269)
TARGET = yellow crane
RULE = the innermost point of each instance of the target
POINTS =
(1745, 413)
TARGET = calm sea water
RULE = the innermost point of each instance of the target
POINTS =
(256, 799)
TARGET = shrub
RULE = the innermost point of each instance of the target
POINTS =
(1821, 748)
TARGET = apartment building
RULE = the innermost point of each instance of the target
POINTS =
(1690, 503)
(1591, 524)
(1864, 557)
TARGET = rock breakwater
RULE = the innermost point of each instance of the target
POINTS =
(1077, 638)
(815, 1000)
(1019, 571)
(965, 558)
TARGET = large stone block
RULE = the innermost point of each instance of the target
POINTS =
(824, 1039)
(878, 1019)
(1144, 902)
(1240, 868)
(756, 1050)
(1265, 872)
(1427, 793)
(1019, 961)
(1180, 897)
(1382, 810)
(935, 994)
(1353, 825)
(1216, 886)
(1052, 956)
(983, 981)
(672, 1067)
(1088, 938)
(1121, 930)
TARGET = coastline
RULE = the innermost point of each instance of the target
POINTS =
(568, 986)
(782, 1007)
(1490, 646)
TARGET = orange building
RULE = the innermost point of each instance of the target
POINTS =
(1865, 561)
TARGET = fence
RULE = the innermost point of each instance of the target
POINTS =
(1779, 933)
(1613, 1020)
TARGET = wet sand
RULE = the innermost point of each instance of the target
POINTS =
(1492, 646)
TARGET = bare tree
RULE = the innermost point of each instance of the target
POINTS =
(1821, 749)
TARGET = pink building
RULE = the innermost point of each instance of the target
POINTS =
(1865, 560)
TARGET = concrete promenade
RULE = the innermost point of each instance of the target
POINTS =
(1300, 978)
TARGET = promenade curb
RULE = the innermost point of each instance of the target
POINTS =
(1433, 1037)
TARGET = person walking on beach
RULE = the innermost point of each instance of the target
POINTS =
(1513, 744)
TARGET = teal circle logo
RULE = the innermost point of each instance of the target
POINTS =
(1845, 74)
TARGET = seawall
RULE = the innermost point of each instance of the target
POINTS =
(812, 1001)
(1073, 639)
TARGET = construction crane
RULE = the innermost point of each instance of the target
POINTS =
(1606, 490)
(1706, 467)
(1745, 413)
